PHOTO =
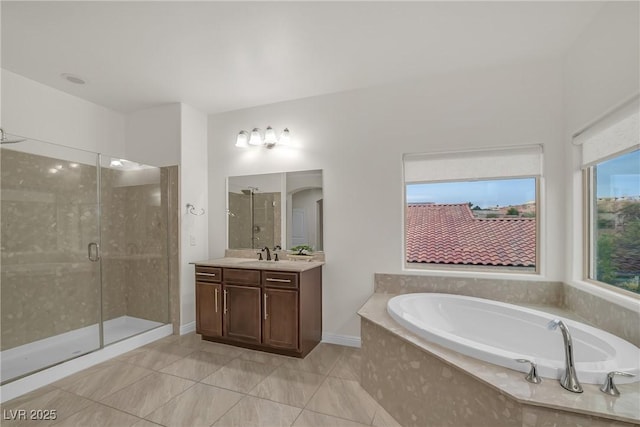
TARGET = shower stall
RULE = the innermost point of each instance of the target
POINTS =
(84, 252)
(254, 218)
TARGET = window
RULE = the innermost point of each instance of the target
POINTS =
(614, 204)
(475, 210)
(611, 169)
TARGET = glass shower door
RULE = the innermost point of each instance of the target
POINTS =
(50, 268)
(134, 236)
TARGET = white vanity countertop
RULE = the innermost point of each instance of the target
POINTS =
(253, 264)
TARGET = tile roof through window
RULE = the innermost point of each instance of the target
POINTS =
(450, 234)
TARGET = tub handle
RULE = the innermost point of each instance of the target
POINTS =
(532, 376)
(609, 386)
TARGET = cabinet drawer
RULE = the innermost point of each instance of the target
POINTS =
(208, 274)
(247, 277)
(278, 279)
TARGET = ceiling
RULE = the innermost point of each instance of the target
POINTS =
(223, 56)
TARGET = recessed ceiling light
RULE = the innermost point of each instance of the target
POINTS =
(73, 78)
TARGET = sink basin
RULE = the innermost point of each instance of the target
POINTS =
(275, 265)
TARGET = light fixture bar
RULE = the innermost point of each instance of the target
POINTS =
(255, 138)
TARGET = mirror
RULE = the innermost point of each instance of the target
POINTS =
(284, 209)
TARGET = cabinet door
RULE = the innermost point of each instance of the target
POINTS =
(242, 313)
(209, 309)
(280, 317)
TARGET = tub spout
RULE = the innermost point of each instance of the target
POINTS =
(569, 380)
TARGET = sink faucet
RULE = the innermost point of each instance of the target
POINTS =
(266, 248)
(569, 380)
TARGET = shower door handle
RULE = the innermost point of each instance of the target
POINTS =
(93, 252)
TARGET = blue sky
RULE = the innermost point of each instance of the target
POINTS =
(620, 176)
(500, 192)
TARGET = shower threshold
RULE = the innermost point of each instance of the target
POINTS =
(27, 358)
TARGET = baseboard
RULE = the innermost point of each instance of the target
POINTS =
(188, 328)
(346, 340)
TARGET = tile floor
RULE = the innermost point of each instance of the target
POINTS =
(184, 381)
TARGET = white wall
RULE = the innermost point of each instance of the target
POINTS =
(307, 201)
(153, 135)
(33, 110)
(194, 244)
(601, 70)
(173, 134)
(358, 139)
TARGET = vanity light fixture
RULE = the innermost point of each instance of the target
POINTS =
(256, 139)
(270, 137)
(242, 140)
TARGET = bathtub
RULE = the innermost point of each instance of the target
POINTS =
(499, 333)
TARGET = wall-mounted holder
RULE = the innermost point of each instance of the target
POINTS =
(192, 210)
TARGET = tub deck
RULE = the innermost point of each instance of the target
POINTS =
(549, 394)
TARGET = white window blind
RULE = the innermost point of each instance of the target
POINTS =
(614, 134)
(513, 162)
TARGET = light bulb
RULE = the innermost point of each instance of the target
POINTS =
(270, 137)
(255, 139)
(242, 139)
(285, 139)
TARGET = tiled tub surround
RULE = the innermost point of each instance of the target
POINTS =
(499, 333)
(620, 321)
(549, 296)
(421, 383)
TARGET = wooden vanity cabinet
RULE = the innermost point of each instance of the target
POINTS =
(275, 311)
(280, 317)
(209, 301)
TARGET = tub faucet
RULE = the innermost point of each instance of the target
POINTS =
(569, 380)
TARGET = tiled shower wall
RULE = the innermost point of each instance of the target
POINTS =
(48, 287)
(267, 220)
(134, 248)
(47, 221)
